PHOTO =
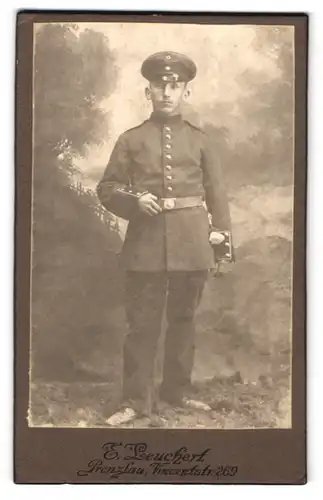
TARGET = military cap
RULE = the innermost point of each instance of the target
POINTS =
(168, 67)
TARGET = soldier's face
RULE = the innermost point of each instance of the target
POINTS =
(166, 97)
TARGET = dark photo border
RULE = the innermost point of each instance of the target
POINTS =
(57, 455)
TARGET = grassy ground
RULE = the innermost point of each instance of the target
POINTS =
(235, 405)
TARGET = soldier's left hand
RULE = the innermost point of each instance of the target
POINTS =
(216, 238)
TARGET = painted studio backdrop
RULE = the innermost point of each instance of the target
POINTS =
(87, 90)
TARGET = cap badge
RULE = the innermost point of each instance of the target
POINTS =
(170, 78)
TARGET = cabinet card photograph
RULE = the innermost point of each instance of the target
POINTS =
(162, 225)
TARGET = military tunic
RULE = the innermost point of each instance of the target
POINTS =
(171, 158)
(166, 256)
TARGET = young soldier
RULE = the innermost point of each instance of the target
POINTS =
(160, 177)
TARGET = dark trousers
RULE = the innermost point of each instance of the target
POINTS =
(146, 294)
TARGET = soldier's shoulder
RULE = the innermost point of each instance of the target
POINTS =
(196, 123)
(132, 134)
(136, 128)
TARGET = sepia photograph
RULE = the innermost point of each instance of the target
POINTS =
(161, 289)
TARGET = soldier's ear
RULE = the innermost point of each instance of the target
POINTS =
(148, 93)
(187, 93)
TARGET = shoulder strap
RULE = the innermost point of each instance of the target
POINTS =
(195, 122)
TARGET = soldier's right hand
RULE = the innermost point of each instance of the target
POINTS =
(147, 204)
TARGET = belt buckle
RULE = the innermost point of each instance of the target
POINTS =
(169, 203)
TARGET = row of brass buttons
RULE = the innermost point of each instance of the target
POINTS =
(168, 156)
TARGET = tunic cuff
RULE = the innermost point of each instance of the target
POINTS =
(223, 251)
(123, 202)
(130, 192)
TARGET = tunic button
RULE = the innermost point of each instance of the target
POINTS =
(169, 177)
(168, 136)
(168, 167)
(168, 146)
(167, 129)
(170, 188)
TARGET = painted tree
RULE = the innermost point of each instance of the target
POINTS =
(73, 252)
(74, 71)
(259, 122)
(269, 109)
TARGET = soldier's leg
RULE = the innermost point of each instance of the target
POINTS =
(145, 294)
(184, 294)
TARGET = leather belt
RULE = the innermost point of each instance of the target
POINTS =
(182, 202)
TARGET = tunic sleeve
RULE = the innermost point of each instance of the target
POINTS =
(115, 190)
(217, 201)
(215, 189)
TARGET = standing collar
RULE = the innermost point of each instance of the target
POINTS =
(163, 119)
